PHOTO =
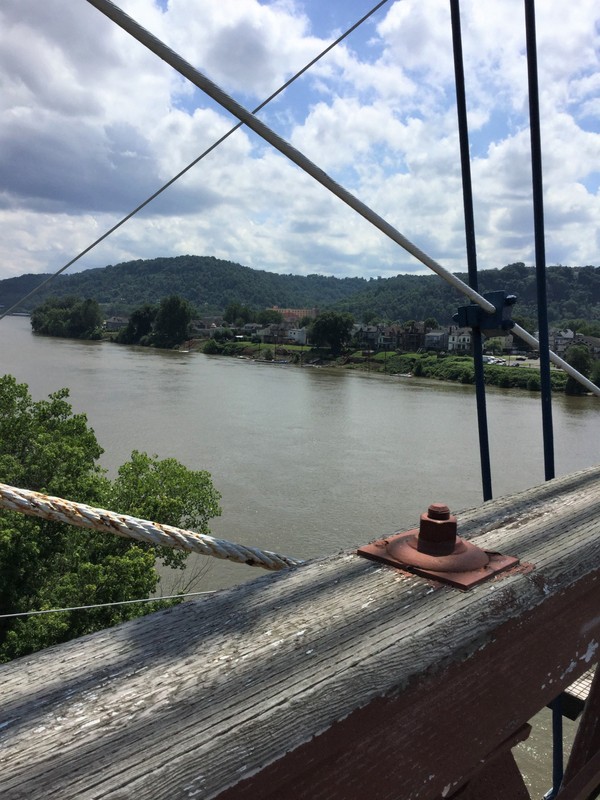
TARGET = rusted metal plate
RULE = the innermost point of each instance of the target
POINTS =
(465, 579)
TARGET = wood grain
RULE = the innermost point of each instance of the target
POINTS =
(338, 673)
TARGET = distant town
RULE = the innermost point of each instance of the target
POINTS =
(408, 337)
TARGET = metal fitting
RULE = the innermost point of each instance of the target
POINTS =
(437, 531)
(434, 550)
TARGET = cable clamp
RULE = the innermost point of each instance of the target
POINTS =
(496, 323)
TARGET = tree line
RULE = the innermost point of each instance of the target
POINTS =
(208, 283)
(212, 284)
(70, 317)
(164, 325)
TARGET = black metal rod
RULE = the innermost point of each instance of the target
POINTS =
(540, 249)
(542, 301)
(465, 161)
(557, 745)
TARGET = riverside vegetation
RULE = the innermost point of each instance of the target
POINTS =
(443, 367)
(236, 293)
(167, 325)
(46, 565)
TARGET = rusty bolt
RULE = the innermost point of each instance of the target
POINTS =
(437, 530)
(434, 550)
(438, 511)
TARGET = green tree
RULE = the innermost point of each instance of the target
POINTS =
(528, 323)
(493, 345)
(223, 335)
(238, 314)
(269, 316)
(139, 325)
(431, 324)
(68, 316)
(172, 322)
(333, 330)
(44, 565)
(578, 356)
(370, 318)
(212, 347)
(164, 491)
(586, 327)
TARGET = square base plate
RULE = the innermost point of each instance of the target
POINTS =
(377, 551)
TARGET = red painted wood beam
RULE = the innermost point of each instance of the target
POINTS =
(455, 717)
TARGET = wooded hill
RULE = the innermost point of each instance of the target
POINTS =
(210, 284)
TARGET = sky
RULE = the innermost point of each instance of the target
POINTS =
(92, 123)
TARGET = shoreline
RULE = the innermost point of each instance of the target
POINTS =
(446, 368)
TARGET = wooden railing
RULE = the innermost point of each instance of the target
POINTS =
(341, 678)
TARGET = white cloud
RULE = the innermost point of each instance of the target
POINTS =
(92, 123)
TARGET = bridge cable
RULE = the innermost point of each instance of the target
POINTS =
(105, 605)
(160, 49)
(56, 509)
(193, 163)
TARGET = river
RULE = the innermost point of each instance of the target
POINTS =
(308, 461)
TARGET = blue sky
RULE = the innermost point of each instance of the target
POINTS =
(92, 123)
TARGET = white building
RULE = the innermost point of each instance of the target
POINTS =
(459, 340)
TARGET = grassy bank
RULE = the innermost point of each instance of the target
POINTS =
(458, 369)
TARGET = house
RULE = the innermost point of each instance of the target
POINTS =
(387, 338)
(115, 323)
(295, 314)
(460, 340)
(366, 336)
(297, 335)
(591, 342)
(436, 340)
(251, 328)
(411, 338)
(275, 333)
(561, 340)
(206, 323)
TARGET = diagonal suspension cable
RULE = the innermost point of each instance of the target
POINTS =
(159, 48)
(193, 163)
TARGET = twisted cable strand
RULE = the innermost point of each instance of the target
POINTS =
(84, 516)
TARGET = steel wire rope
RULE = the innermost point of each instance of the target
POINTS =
(169, 56)
(193, 163)
(56, 509)
(104, 605)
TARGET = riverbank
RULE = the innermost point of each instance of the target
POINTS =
(442, 367)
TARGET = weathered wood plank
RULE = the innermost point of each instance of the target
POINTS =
(372, 681)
